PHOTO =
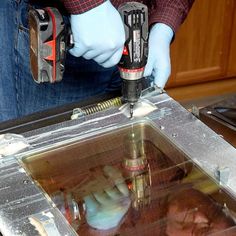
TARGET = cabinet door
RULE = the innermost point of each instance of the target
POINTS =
(231, 72)
(201, 48)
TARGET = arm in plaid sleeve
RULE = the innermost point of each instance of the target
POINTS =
(81, 6)
(170, 12)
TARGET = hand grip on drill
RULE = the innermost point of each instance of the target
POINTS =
(158, 64)
(99, 35)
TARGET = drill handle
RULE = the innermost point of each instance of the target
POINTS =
(135, 18)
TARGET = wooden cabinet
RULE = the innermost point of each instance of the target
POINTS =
(231, 70)
(205, 45)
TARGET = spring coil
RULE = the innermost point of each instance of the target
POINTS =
(102, 106)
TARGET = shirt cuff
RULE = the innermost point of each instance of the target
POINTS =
(81, 6)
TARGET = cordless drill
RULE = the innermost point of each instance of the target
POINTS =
(134, 58)
(50, 39)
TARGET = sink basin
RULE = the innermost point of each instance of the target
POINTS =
(69, 173)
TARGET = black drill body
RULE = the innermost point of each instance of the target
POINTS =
(134, 58)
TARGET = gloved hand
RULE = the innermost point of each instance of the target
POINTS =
(106, 208)
(99, 35)
(158, 64)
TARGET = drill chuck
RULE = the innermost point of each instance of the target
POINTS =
(131, 90)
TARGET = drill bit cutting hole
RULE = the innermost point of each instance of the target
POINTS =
(140, 109)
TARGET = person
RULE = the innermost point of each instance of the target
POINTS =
(191, 212)
(90, 66)
(176, 209)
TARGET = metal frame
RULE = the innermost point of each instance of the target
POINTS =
(21, 198)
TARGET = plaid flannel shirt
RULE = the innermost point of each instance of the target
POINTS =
(170, 12)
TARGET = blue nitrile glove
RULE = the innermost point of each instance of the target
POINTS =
(99, 35)
(158, 64)
(106, 208)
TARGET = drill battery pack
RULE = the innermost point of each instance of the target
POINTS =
(48, 42)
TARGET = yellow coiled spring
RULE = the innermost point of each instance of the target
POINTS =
(101, 106)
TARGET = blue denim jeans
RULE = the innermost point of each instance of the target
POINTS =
(19, 94)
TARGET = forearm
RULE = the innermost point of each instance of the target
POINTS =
(81, 6)
(165, 17)
(170, 12)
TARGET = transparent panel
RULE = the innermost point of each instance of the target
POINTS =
(132, 181)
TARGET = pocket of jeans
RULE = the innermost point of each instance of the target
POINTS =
(23, 16)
